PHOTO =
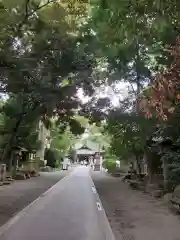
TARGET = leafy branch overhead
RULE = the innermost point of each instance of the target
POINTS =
(43, 63)
(162, 97)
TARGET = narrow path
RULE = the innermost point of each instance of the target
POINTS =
(71, 210)
(134, 215)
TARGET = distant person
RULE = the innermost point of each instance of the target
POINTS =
(65, 163)
(92, 163)
(118, 163)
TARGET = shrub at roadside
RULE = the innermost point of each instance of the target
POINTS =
(50, 157)
(110, 165)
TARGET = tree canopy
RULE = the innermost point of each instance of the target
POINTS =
(139, 42)
(43, 63)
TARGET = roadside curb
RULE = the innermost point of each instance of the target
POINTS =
(103, 220)
(23, 212)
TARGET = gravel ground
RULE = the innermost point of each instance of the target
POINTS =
(134, 215)
(19, 194)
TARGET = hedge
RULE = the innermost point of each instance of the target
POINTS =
(110, 165)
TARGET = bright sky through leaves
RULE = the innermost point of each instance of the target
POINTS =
(115, 95)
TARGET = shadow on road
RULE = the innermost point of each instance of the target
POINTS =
(134, 215)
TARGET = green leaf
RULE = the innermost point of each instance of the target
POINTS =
(10, 4)
(65, 82)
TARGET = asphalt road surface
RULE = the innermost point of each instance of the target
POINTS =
(20, 193)
(71, 210)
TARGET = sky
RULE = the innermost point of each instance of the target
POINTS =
(119, 94)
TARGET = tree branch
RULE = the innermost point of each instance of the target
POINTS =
(31, 13)
(27, 3)
(133, 90)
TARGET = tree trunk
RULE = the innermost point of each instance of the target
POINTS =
(138, 73)
(12, 138)
(9, 146)
(165, 172)
(10, 163)
(148, 159)
(15, 164)
(138, 162)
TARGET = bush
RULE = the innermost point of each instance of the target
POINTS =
(110, 165)
(59, 158)
(173, 160)
(50, 157)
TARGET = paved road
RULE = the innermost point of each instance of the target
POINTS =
(20, 193)
(71, 210)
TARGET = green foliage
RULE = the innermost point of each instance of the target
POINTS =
(128, 133)
(43, 64)
(98, 135)
(173, 162)
(120, 26)
(72, 153)
(84, 122)
(27, 136)
(109, 162)
(50, 157)
(133, 39)
(61, 140)
(110, 165)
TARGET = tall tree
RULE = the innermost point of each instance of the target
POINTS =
(128, 134)
(42, 61)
